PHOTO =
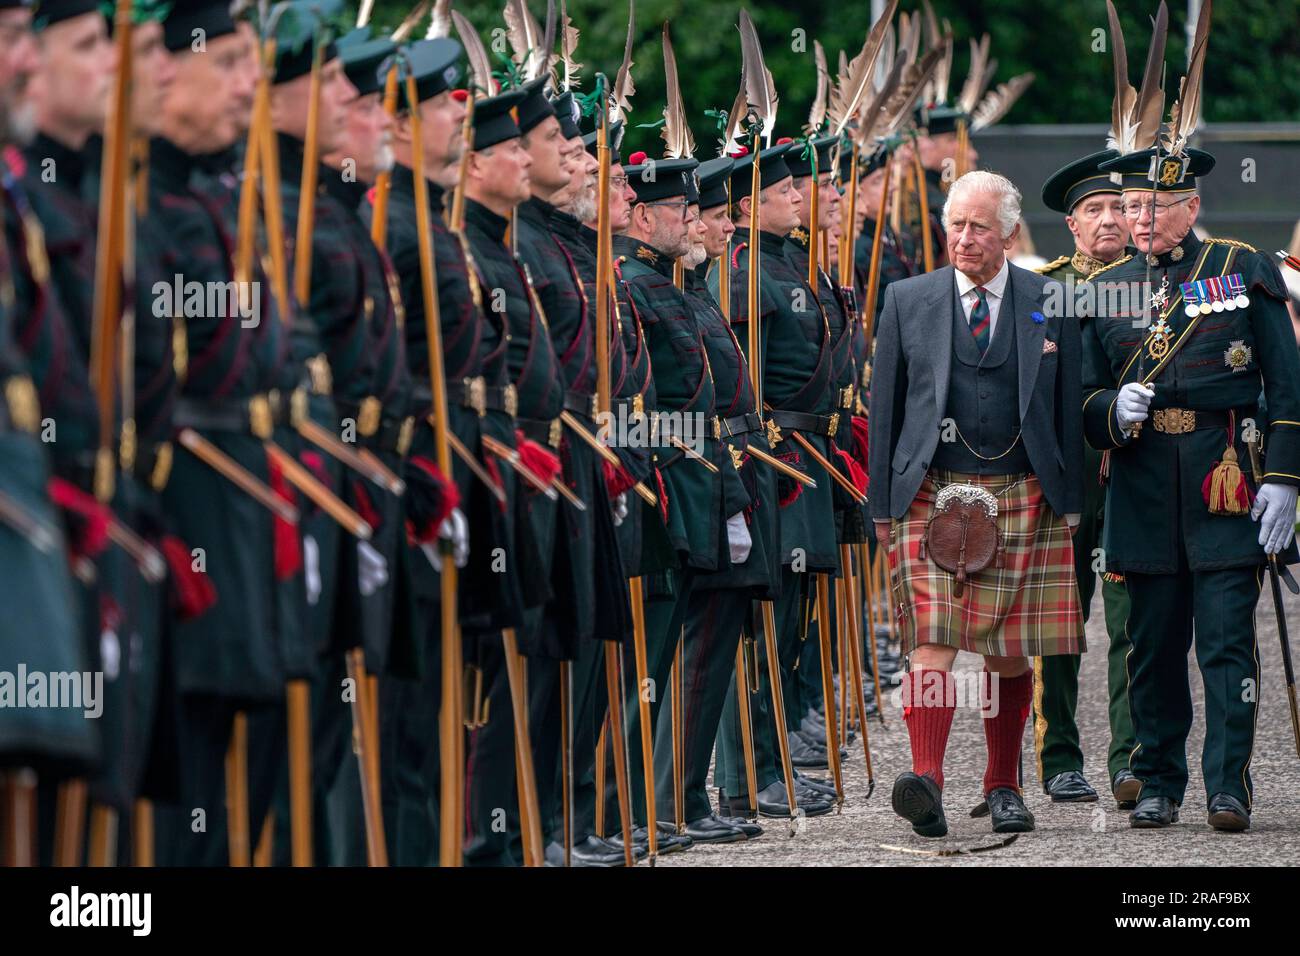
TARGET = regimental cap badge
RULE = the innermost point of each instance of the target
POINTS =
(1238, 355)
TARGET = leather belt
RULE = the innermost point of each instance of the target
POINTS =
(580, 403)
(544, 433)
(476, 394)
(254, 415)
(1180, 421)
(805, 422)
(740, 424)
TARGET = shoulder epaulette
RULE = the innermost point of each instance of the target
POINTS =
(1236, 244)
(1110, 265)
(1051, 266)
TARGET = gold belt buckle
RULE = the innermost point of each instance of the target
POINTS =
(322, 379)
(717, 428)
(595, 407)
(368, 415)
(476, 394)
(405, 434)
(512, 400)
(846, 396)
(774, 436)
(260, 421)
(638, 404)
(1175, 421)
(24, 405)
(162, 466)
(556, 433)
(298, 406)
(834, 425)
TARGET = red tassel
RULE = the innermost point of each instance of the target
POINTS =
(88, 518)
(365, 507)
(1224, 489)
(663, 495)
(315, 463)
(447, 498)
(537, 459)
(192, 591)
(617, 478)
(796, 489)
(856, 475)
(288, 546)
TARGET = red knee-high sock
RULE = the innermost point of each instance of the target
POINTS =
(1003, 731)
(928, 710)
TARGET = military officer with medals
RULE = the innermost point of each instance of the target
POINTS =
(1203, 474)
(1093, 206)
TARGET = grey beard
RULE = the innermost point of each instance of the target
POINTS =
(583, 206)
(384, 159)
(695, 256)
(19, 125)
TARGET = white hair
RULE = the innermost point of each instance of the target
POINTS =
(992, 184)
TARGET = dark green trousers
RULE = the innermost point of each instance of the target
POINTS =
(1217, 609)
(1056, 679)
(714, 620)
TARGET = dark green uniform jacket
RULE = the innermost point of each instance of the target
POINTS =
(1218, 362)
(682, 385)
(797, 370)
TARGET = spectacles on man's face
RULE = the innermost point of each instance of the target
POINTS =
(617, 182)
(1136, 209)
(680, 205)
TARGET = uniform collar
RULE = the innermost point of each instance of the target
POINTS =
(536, 210)
(1185, 251)
(485, 219)
(997, 286)
(170, 164)
(767, 241)
(402, 180)
(1084, 264)
(644, 252)
(349, 194)
(799, 236)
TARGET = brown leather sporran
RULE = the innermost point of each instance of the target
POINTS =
(962, 535)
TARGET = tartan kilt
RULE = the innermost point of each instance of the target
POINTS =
(1027, 608)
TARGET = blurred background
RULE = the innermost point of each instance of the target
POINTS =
(1251, 98)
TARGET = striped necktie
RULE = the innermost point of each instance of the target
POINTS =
(979, 320)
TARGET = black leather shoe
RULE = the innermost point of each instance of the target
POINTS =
(1070, 787)
(1228, 813)
(1126, 788)
(1008, 810)
(918, 800)
(814, 733)
(751, 830)
(804, 754)
(712, 829)
(590, 852)
(772, 802)
(1153, 813)
(815, 784)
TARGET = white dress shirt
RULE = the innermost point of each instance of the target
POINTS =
(994, 291)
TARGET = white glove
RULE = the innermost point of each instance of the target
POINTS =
(311, 568)
(1131, 406)
(738, 539)
(620, 508)
(456, 530)
(372, 569)
(1276, 503)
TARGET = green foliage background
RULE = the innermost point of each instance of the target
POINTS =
(1253, 71)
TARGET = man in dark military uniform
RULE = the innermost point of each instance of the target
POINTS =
(805, 713)
(1189, 363)
(1091, 203)
(497, 181)
(590, 602)
(235, 657)
(645, 254)
(796, 376)
(478, 402)
(720, 602)
(41, 629)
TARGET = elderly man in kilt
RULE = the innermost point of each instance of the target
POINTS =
(975, 426)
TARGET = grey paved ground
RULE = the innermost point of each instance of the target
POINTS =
(1067, 835)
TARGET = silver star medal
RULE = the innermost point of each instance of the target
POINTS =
(1160, 298)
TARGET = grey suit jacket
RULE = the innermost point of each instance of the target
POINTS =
(909, 389)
